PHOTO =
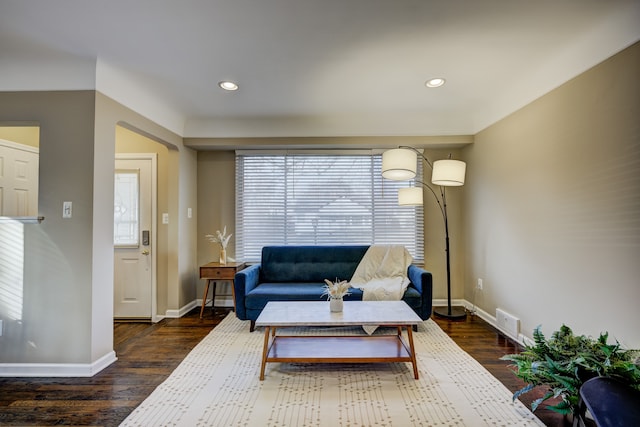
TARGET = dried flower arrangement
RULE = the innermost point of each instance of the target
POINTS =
(336, 289)
(223, 240)
(220, 238)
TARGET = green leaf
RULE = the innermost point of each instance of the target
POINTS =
(522, 391)
(536, 403)
(564, 408)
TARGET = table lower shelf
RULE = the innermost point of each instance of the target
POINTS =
(337, 349)
(324, 349)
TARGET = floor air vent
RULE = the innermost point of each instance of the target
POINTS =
(507, 323)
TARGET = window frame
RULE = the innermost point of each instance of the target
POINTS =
(383, 193)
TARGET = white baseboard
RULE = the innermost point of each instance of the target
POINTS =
(57, 369)
(220, 302)
(525, 340)
(490, 319)
(454, 302)
(182, 311)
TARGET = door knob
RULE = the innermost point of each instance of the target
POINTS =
(145, 252)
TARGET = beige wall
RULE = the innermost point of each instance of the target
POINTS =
(188, 274)
(27, 135)
(216, 209)
(216, 206)
(52, 308)
(434, 235)
(552, 207)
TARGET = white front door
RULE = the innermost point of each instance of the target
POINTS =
(134, 237)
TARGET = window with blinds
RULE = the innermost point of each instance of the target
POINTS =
(320, 199)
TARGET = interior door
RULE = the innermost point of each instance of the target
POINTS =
(133, 275)
(18, 179)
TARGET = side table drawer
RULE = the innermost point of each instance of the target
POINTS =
(217, 273)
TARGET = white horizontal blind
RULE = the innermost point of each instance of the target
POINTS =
(320, 199)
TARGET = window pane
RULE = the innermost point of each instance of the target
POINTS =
(125, 215)
(311, 199)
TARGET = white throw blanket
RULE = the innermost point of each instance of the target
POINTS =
(382, 274)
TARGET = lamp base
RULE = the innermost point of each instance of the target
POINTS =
(456, 313)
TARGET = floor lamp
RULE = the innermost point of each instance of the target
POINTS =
(400, 164)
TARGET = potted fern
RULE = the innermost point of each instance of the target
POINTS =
(565, 361)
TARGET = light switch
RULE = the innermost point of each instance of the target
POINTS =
(165, 218)
(67, 209)
(189, 213)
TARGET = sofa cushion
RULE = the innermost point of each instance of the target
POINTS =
(412, 297)
(258, 298)
(291, 291)
(309, 263)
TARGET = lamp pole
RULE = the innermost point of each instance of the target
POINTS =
(453, 313)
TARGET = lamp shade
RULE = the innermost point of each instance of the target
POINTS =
(399, 164)
(410, 196)
(448, 173)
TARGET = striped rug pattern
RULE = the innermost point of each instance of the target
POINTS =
(217, 385)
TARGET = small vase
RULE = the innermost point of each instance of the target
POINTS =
(223, 256)
(336, 305)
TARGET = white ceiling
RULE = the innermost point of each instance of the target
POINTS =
(311, 67)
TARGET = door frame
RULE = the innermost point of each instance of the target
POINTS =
(154, 224)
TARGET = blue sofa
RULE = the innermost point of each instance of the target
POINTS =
(297, 273)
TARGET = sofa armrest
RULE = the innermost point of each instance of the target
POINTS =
(422, 280)
(245, 280)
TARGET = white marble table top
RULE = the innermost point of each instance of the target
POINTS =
(312, 313)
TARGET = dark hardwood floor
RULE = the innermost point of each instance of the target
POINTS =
(148, 353)
(486, 344)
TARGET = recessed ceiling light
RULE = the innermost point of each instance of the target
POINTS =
(437, 82)
(228, 85)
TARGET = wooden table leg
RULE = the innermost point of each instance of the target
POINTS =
(213, 297)
(265, 351)
(233, 293)
(412, 351)
(204, 297)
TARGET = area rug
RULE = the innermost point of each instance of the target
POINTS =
(217, 385)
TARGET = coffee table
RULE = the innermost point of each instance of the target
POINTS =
(378, 348)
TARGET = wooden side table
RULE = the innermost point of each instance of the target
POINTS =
(214, 272)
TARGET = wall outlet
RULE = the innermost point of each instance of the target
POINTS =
(507, 323)
(165, 218)
(479, 285)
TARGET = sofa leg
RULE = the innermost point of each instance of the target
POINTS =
(253, 326)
